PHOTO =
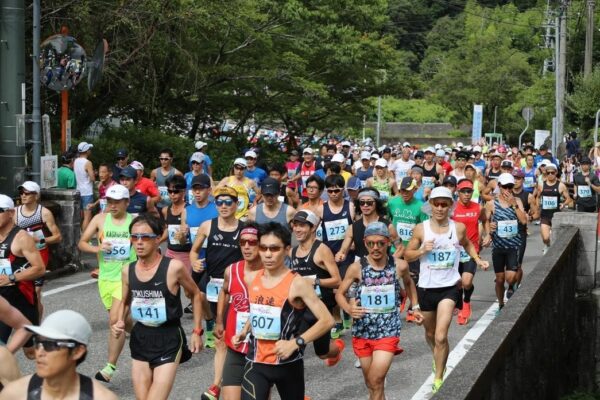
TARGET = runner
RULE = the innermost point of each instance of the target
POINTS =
(145, 185)
(530, 174)
(20, 265)
(494, 170)
(114, 252)
(549, 194)
(365, 171)
(233, 309)
(376, 327)
(433, 173)
(314, 261)
(505, 213)
(292, 166)
(65, 175)
(272, 209)
(196, 168)
(151, 290)
(252, 171)
(440, 156)
(434, 243)
(138, 203)
(122, 158)
(177, 232)
(459, 165)
(307, 168)
(587, 187)
(531, 208)
(61, 344)
(242, 186)
(278, 298)
(469, 213)
(401, 167)
(381, 180)
(416, 173)
(39, 223)
(84, 173)
(14, 319)
(161, 174)
(106, 181)
(314, 187)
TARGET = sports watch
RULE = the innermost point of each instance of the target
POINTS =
(300, 342)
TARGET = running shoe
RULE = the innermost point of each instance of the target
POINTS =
(95, 272)
(212, 393)
(403, 302)
(509, 292)
(500, 307)
(106, 373)
(357, 363)
(410, 317)
(545, 249)
(336, 331)
(330, 362)
(537, 222)
(437, 384)
(465, 314)
(209, 340)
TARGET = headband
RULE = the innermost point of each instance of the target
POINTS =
(249, 231)
(370, 193)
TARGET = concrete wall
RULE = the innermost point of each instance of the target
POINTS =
(417, 133)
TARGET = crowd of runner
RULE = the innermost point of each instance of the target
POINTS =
(275, 258)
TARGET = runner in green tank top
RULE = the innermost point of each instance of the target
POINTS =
(381, 181)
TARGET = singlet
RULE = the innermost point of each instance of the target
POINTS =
(10, 264)
(507, 233)
(292, 167)
(529, 181)
(84, 183)
(243, 191)
(384, 188)
(306, 266)
(402, 168)
(195, 216)
(550, 199)
(281, 216)
(379, 293)
(305, 173)
(121, 253)
(524, 196)
(222, 250)
(458, 176)
(439, 267)
(34, 225)
(363, 175)
(152, 303)
(335, 226)
(358, 235)
(161, 183)
(586, 195)
(491, 174)
(469, 216)
(34, 388)
(420, 193)
(430, 176)
(173, 225)
(138, 203)
(239, 306)
(272, 318)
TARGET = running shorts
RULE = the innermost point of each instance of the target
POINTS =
(183, 256)
(505, 259)
(288, 378)
(234, 365)
(429, 298)
(159, 345)
(109, 290)
(366, 347)
(469, 266)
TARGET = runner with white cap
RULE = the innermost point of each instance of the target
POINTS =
(433, 173)
(85, 176)
(365, 172)
(242, 185)
(207, 167)
(435, 244)
(382, 181)
(61, 344)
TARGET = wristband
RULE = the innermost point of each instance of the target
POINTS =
(198, 331)
(416, 307)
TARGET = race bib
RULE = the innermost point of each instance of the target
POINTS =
(193, 233)
(103, 203)
(172, 230)
(164, 194)
(190, 197)
(584, 191)
(5, 266)
(529, 182)
(265, 321)
(241, 204)
(464, 256)
(240, 321)
(402, 173)
(151, 312)
(405, 231)
(119, 250)
(213, 289)
(549, 203)
(378, 299)
(428, 182)
(336, 230)
(291, 173)
(317, 287)
(507, 229)
(39, 235)
(319, 233)
(441, 258)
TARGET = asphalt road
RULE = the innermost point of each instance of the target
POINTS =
(408, 373)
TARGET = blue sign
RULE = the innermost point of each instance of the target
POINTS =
(477, 122)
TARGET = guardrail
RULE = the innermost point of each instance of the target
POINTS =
(542, 345)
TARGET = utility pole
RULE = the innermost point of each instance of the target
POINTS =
(561, 70)
(549, 25)
(589, 39)
(378, 138)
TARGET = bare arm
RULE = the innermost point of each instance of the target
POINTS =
(197, 245)
(352, 275)
(87, 235)
(222, 304)
(13, 318)
(89, 168)
(52, 227)
(414, 251)
(189, 286)
(324, 259)
(340, 256)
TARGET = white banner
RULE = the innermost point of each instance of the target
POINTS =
(540, 137)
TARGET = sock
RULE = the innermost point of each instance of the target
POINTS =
(210, 325)
(468, 293)
(346, 316)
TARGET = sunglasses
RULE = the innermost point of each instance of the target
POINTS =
(164, 158)
(518, 178)
(249, 242)
(367, 203)
(466, 191)
(336, 191)
(227, 203)
(509, 186)
(250, 158)
(52, 345)
(272, 249)
(25, 193)
(121, 158)
(145, 237)
(195, 162)
(379, 243)
(551, 172)
(241, 167)
(175, 191)
(442, 204)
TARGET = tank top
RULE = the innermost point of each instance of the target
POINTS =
(243, 191)
(291, 168)
(222, 250)
(272, 318)
(379, 293)
(195, 216)
(305, 266)
(384, 188)
(492, 174)
(475, 197)
(363, 175)
(358, 234)
(122, 252)
(529, 180)
(138, 203)
(239, 306)
(430, 176)
(550, 199)
(10, 264)
(34, 225)
(506, 235)
(420, 193)
(161, 183)
(152, 303)
(469, 216)
(281, 216)
(84, 183)
(335, 226)
(305, 173)
(173, 225)
(457, 175)
(524, 196)
(34, 388)
(439, 267)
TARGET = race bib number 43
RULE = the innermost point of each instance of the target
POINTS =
(265, 321)
(508, 229)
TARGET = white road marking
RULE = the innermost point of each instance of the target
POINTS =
(47, 293)
(460, 350)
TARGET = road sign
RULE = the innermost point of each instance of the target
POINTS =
(527, 113)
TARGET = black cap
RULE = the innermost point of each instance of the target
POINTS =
(506, 164)
(129, 172)
(122, 153)
(419, 154)
(201, 180)
(585, 160)
(407, 183)
(543, 147)
(270, 186)
(387, 150)
(463, 154)
(449, 180)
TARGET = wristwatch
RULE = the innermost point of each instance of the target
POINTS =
(300, 342)
(42, 241)
(12, 278)
(198, 331)
(317, 281)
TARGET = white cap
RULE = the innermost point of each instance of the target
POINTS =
(84, 146)
(240, 161)
(477, 149)
(429, 150)
(306, 216)
(30, 186)
(365, 155)
(198, 157)
(346, 143)
(6, 203)
(64, 325)
(250, 153)
(459, 144)
(406, 144)
(117, 192)
(440, 153)
(441, 192)
(308, 150)
(375, 156)
(437, 146)
(447, 149)
(381, 162)
(137, 165)
(506, 179)
(337, 157)
(200, 144)
(551, 166)
(544, 162)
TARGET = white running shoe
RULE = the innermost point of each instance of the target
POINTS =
(545, 249)
(357, 363)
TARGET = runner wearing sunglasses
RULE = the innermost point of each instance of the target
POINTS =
(114, 251)
(61, 344)
(161, 174)
(435, 244)
(151, 293)
(242, 185)
(175, 215)
(375, 309)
